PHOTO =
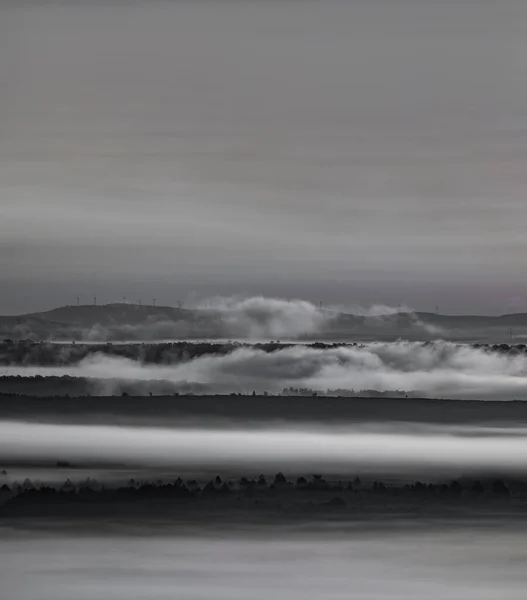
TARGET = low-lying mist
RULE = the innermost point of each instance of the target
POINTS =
(439, 369)
(304, 449)
(468, 562)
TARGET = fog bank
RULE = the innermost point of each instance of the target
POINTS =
(440, 369)
(305, 450)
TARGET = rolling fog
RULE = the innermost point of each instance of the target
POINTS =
(440, 370)
(302, 449)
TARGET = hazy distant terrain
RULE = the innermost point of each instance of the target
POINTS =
(258, 318)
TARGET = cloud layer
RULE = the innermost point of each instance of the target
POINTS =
(439, 369)
(332, 451)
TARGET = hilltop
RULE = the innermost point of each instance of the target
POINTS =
(128, 322)
(118, 313)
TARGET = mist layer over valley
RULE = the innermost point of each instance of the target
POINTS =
(436, 369)
(376, 447)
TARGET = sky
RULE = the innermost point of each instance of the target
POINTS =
(350, 151)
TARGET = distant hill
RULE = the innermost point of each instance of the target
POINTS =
(120, 322)
(111, 314)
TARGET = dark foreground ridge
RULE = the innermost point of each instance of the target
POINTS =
(257, 498)
(170, 410)
(66, 385)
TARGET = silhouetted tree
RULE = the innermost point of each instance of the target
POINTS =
(280, 479)
(209, 489)
(27, 485)
(68, 486)
(378, 486)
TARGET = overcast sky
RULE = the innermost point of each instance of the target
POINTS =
(351, 151)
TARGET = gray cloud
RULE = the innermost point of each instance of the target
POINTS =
(263, 145)
(261, 318)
